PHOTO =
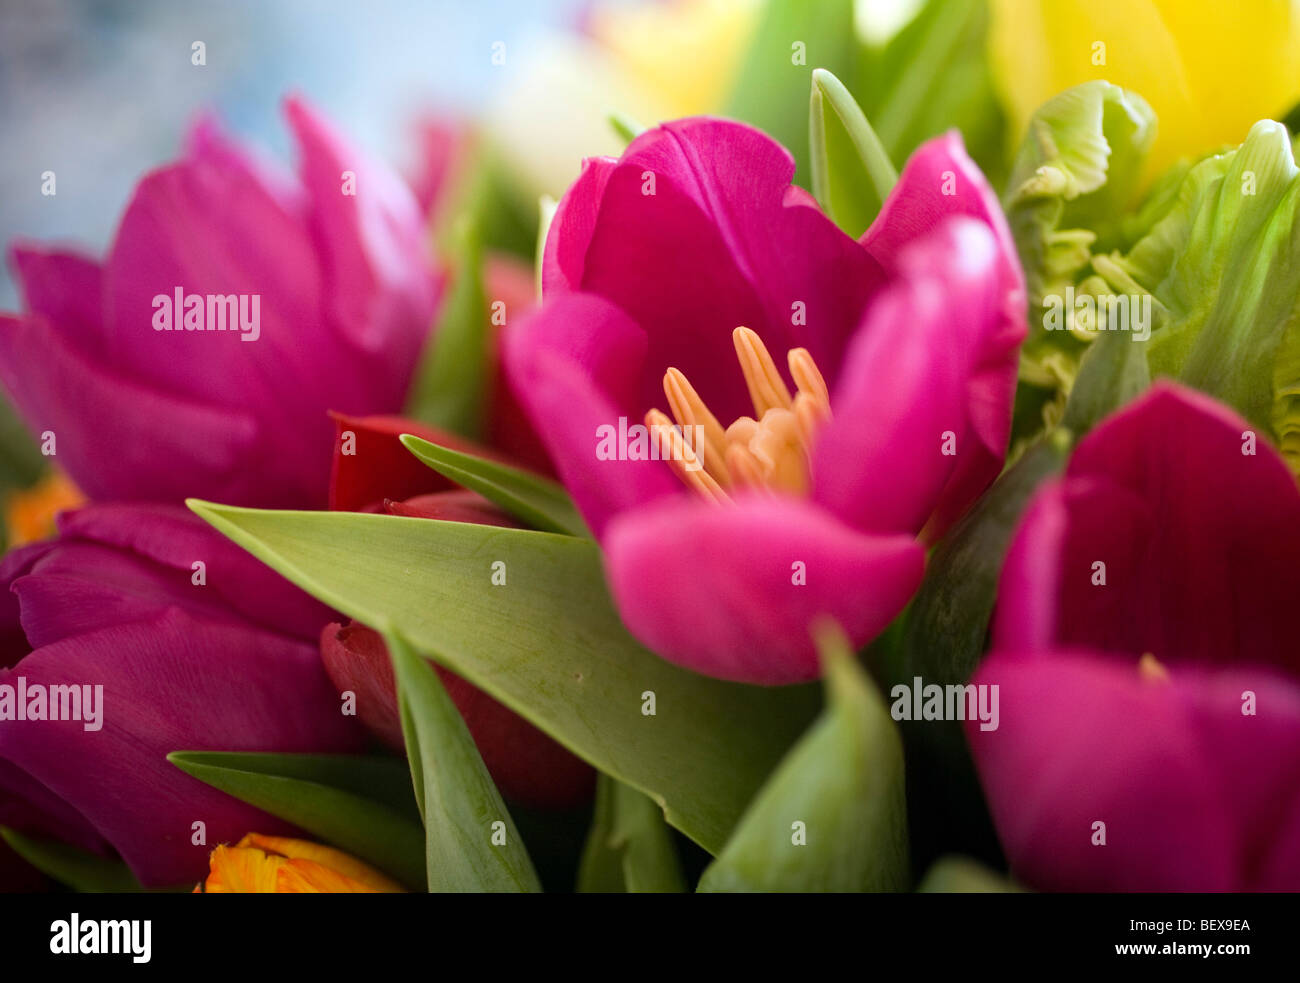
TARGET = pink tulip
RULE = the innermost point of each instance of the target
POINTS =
(330, 273)
(228, 664)
(1146, 658)
(894, 414)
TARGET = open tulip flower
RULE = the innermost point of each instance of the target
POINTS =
(154, 387)
(847, 394)
(1145, 652)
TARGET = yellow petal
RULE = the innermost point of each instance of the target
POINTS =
(336, 860)
(1209, 69)
(686, 51)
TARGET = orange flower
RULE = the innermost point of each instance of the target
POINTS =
(277, 865)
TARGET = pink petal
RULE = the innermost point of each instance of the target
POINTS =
(1198, 540)
(117, 438)
(902, 396)
(1195, 795)
(716, 589)
(576, 365)
(939, 181)
(172, 683)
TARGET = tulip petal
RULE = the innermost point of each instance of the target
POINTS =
(901, 407)
(366, 240)
(576, 365)
(171, 682)
(939, 181)
(695, 235)
(66, 289)
(117, 460)
(1173, 768)
(564, 256)
(731, 591)
(1198, 539)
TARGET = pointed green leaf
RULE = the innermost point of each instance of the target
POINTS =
(450, 389)
(546, 209)
(833, 817)
(362, 805)
(961, 875)
(625, 126)
(932, 76)
(71, 866)
(541, 503)
(471, 843)
(771, 88)
(548, 644)
(629, 849)
(850, 182)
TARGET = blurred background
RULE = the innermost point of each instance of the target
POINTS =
(99, 91)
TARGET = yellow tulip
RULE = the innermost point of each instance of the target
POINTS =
(1210, 69)
(278, 865)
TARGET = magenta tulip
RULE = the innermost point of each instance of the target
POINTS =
(693, 252)
(236, 306)
(177, 640)
(1146, 658)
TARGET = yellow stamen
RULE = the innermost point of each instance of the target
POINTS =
(690, 411)
(1151, 669)
(766, 388)
(681, 458)
(769, 451)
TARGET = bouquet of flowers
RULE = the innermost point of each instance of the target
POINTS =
(874, 469)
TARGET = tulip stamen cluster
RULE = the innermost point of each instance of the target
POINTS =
(771, 450)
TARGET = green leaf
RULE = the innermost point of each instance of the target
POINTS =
(451, 386)
(1076, 172)
(625, 127)
(943, 642)
(21, 463)
(549, 645)
(771, 88)
(471, 843)
(933, 76)
(362, 805)
(629, 849)
(840, 788)
(961, 875)
(1112, 372)
(541, 503)
(71, 866)
(850, 181)
(1221, 265)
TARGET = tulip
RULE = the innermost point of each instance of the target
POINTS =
(197, 646)
(335, 265)
(260, 864)
(691, 252)
(1209, 70)
(1144, 650)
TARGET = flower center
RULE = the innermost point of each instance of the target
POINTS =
(770, 450)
